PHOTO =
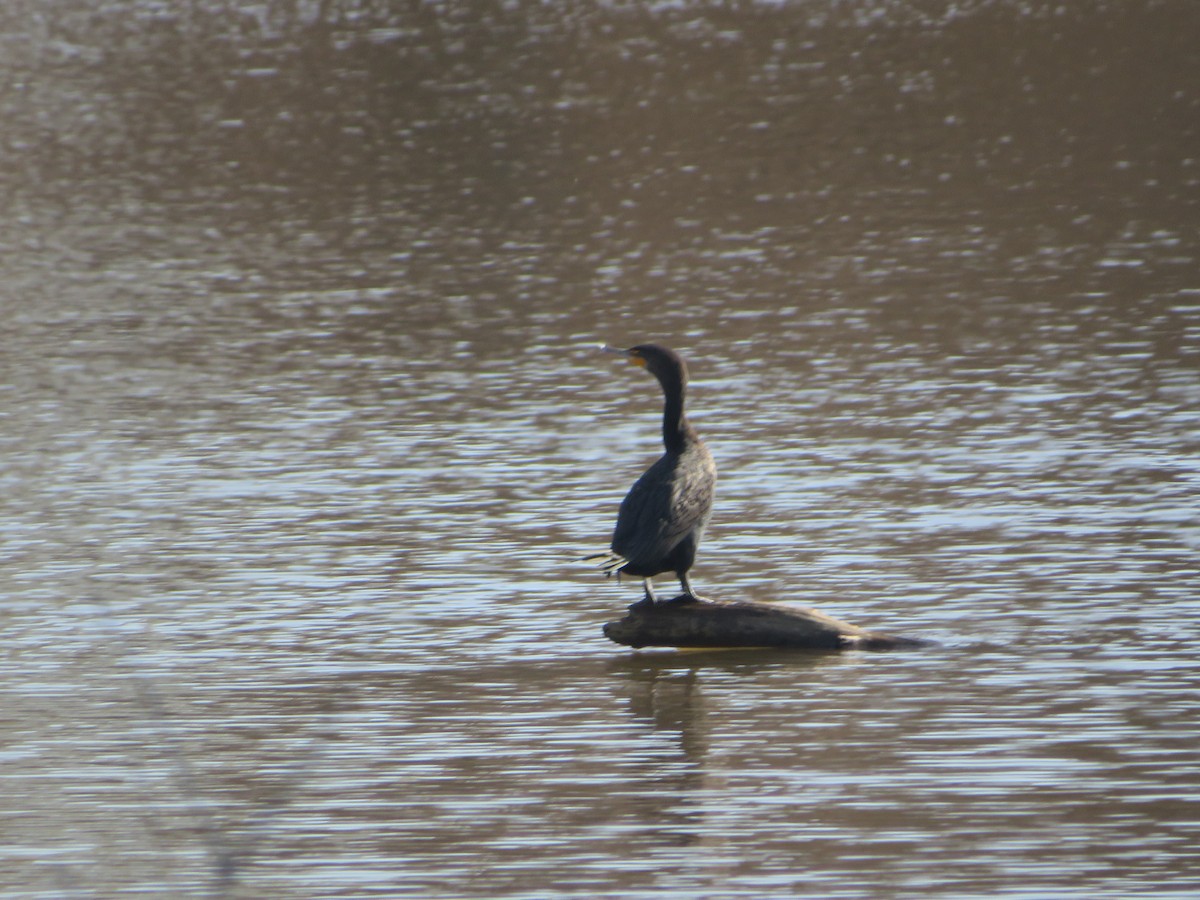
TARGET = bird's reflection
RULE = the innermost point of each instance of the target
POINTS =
(673, 694)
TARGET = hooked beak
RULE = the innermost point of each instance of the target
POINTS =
(634, 356)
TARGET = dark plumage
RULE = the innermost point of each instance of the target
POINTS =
(663, 516)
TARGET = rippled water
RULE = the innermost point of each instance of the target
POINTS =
(305, 433)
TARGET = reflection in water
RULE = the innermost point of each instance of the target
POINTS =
(305, 436)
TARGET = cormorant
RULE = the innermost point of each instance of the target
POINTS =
(663, 516)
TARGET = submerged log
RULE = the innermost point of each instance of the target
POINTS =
(684, 622)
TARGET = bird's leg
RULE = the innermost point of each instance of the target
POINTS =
(688, 593)
(650, 598)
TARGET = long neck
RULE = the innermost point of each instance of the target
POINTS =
(677, 431)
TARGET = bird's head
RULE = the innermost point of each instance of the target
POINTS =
(666, 365)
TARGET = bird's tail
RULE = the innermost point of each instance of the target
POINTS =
(610, 562)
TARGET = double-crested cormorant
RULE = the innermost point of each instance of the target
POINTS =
(662, 518)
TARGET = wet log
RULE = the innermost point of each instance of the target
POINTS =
(685, 622)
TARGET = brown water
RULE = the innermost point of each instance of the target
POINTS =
(304, 433)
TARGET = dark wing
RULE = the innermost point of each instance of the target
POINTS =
(672, 499)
